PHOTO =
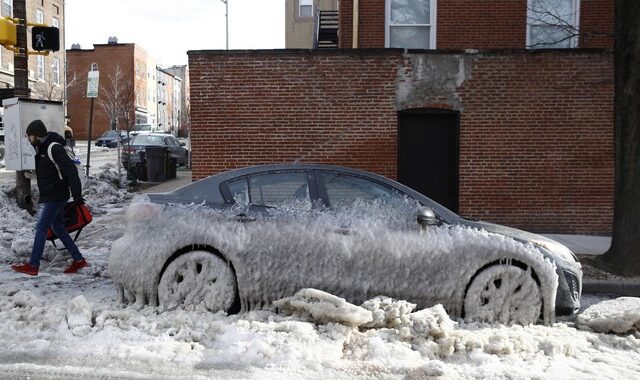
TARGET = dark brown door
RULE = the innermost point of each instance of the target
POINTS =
(428, 154)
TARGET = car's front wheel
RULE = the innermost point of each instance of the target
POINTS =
(503, 293)
(198, 277)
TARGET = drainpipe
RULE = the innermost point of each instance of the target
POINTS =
(355, 24)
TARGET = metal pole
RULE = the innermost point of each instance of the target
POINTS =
(21, 90)
(89, 137)
(226, 16)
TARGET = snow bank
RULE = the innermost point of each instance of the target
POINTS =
(620, 315)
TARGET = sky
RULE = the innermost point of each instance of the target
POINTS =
(166, 29)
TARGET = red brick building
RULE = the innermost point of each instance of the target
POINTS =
(127, 59)
(515, 136)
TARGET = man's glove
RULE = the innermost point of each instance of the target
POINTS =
(78, 199)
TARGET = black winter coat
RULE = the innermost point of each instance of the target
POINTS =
(51, 187)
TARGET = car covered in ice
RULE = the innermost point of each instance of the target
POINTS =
(241, 239)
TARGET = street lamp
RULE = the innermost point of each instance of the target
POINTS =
(226, 16)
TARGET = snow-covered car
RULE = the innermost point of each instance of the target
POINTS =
(241, 239)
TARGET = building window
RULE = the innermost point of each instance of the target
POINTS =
(40, 60)
(39, 16)
(56, 71)
(7, 8)
(411, 24)
(55, 22)
(305, 8)
(552, 24)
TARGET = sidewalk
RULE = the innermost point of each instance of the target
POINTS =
(183, 177)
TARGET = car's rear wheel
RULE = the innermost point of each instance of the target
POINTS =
(503, 293)
(198, 277)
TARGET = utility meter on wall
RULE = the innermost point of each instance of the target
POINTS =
(18, 113)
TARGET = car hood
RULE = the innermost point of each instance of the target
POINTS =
(557, 249)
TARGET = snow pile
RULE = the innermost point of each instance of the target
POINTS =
(620, 315)
(321, 307)
(355, 254)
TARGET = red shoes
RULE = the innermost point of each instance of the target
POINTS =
(29, 269)
(75, 266)
(25, 268)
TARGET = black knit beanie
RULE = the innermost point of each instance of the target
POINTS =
(36, 128)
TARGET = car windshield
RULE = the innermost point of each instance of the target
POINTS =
(110, 134)
(148, 140)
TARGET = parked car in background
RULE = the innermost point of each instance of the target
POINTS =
(110, 138)
(241, 239)
(139, 142)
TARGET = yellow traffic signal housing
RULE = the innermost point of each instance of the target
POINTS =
(7, 32)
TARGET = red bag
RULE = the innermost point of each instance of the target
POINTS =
(75, 217)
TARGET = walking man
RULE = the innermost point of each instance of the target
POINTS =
(55, 178)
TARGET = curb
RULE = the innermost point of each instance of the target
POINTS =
(621, 288)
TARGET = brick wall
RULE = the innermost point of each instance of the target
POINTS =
(78, 63)
(267, 107)
(474, 24)
(536, 128)
(536, 141)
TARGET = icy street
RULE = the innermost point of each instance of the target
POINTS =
(72, 326)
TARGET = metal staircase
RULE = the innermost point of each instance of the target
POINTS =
(325, 34)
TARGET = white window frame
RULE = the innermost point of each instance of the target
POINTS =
(39, 16)
(575, 22)
(8, 3)
(56, 71)
(40, 63)
(55, 22)
(302, 3)
(432, 25)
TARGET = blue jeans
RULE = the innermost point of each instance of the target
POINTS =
(50, 215)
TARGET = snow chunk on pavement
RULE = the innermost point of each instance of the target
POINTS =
(322, 307)
(388, 312)
(620, 315)
(79, 315)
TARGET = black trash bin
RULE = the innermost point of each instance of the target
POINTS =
(156, 163)
(172, 164)
(141, 171)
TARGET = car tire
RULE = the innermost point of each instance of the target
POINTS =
(506, 294)
(198, 277)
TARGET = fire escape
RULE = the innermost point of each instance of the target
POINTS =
(325, 32)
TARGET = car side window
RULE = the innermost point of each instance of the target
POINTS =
(272, 189)
(343, 190)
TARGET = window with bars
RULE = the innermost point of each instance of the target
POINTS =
(40, 72)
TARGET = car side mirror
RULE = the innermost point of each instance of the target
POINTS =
(426, 217)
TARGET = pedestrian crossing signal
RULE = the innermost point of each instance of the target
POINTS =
(45, 38)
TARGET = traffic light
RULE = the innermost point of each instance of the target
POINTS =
(7, 32)
(45, 38)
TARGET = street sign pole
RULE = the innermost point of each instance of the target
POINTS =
(92, 92)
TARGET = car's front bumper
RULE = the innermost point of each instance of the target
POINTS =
(569, 290)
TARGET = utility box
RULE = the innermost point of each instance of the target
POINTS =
(18, 113)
